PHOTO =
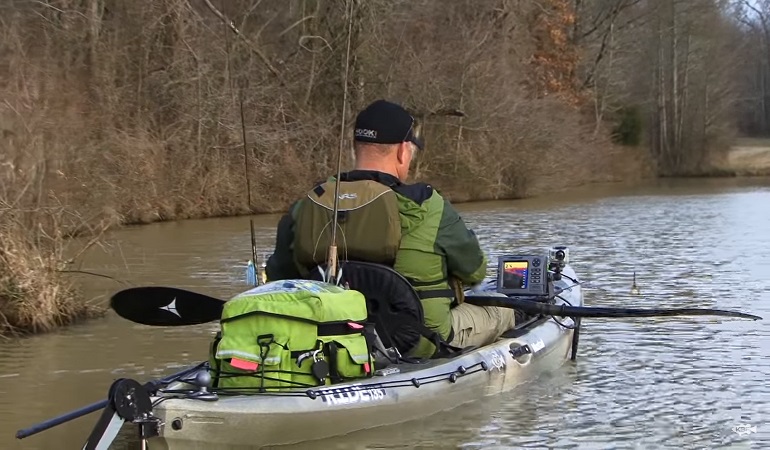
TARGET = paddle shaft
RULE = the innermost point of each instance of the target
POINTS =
(535, 307)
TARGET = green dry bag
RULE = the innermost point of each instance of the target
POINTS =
(292, 334)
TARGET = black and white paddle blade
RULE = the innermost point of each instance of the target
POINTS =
(166, 306)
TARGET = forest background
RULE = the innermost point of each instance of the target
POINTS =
(123, 112)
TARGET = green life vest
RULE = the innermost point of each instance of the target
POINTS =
(368, 226)
(272, 336)
(380, 225)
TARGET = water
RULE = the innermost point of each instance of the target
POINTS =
(647, 383)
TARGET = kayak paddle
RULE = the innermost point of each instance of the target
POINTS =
(166, 306)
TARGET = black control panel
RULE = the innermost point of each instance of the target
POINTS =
(522, 275)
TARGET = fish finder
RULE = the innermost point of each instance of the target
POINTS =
(524, 275)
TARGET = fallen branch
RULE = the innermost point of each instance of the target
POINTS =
(86, 272)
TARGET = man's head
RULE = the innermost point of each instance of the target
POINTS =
(384, 139)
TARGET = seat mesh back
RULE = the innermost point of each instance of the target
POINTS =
(393, 305)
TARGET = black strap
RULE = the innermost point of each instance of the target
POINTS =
(436, 293)
(376, 345)
(331, 351)
(416, 283)
(339, 328)
(370, 334)
(217, 365)
(443, 349)
(324, 328)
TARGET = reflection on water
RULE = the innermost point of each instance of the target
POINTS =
(647, 383)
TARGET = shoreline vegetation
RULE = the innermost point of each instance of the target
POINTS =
(35, 296)
(116, 113)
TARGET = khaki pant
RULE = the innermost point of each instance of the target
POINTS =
(479, 325)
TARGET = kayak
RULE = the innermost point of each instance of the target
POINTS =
(193, 415)
(183, 411)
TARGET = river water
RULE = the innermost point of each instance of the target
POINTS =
(644, 383)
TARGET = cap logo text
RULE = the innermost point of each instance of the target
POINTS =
(363, 132)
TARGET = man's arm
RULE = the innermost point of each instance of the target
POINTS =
(465, 259)
(280, 265)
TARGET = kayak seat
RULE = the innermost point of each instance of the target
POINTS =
(392, 303)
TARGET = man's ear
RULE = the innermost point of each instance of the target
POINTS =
(401, 152)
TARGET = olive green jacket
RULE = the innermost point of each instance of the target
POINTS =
(435, 246)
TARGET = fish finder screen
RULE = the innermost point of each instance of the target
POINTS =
(515, 274)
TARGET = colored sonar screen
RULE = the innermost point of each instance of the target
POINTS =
(515, 274)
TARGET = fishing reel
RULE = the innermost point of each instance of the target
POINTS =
(257, 274)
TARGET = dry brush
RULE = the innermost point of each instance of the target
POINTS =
(115, 112)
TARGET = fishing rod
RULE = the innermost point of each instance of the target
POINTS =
(549, 309)
(331, 262)
(251, 271)
(252, 266)
(540, 304)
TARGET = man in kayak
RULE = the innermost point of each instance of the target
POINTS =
(409, 227)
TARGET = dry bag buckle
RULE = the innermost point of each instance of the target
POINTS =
(319, 368)
(311, 354)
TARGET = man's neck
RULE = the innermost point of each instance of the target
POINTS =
(363, 165)
(373, 175)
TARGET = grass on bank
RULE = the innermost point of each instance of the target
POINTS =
(35, 297)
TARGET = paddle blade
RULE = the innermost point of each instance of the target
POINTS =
(165, 306)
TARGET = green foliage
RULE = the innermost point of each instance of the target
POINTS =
(628, 129)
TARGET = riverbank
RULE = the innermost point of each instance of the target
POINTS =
(36, 297)
(747, 157)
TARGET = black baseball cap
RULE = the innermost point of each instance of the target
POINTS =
(384, 122)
